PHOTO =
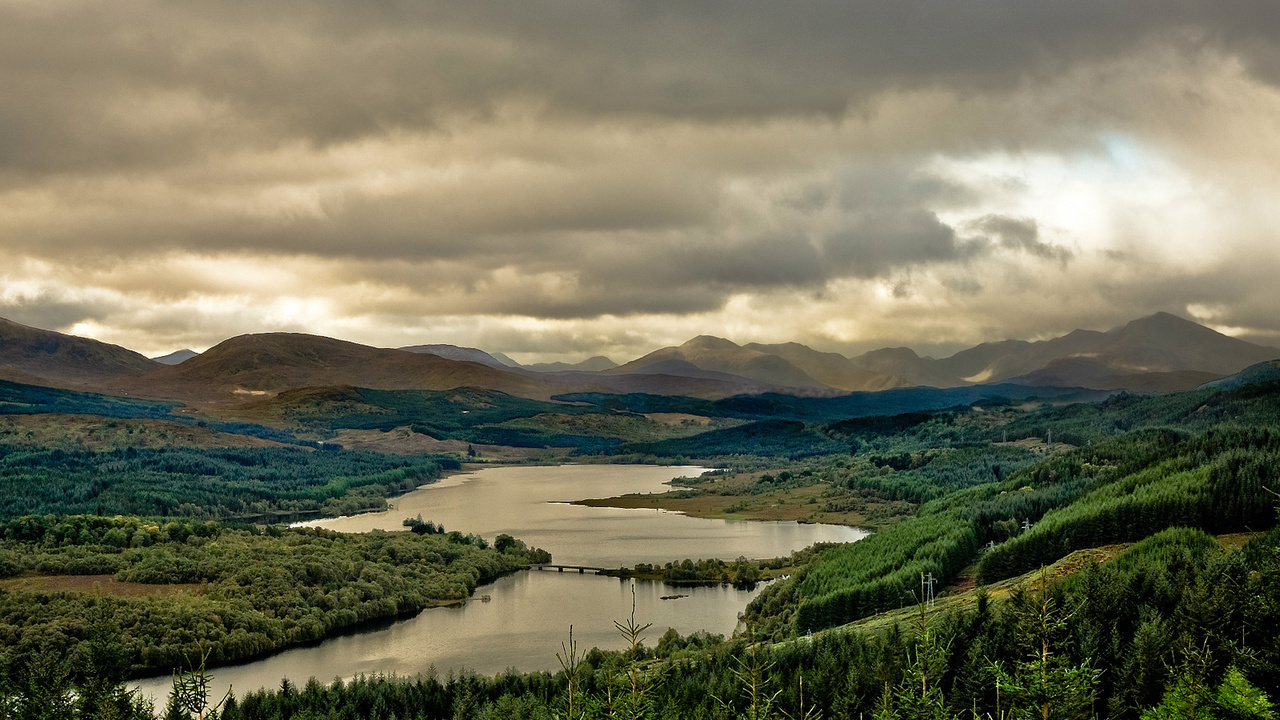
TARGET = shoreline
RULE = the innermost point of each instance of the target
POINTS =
(799, 506)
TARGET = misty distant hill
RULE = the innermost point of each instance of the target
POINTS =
(177, 357)
(598, 363)
(1156, 354)
(1163, 351)
(1160, 353)
(832, 369)
(455, 352)
(713, 354)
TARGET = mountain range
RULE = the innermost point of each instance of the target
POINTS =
(1159, 353)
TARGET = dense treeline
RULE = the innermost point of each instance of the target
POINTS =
(822, 410)
(213, 483)
(929, 473)
(877, 573)
(1120, 490)
(1252, 405)
(21, 399)
(442, 413)
(1174, 627)
(788, 427)
(780, 438)
(244, 592)
(740, 572)
(1219, 481)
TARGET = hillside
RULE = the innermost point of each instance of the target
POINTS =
(44, 357)
(255, 365)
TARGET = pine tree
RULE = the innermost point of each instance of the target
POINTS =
(1045, 684)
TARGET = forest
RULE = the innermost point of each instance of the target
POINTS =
(215, 483)
(233, 592)
(1174, 626)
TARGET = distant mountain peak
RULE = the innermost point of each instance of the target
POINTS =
(894, 352)
(711, 343)
(1166, 321)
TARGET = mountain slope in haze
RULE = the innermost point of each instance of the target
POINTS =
(504, 360)
(455, 352)
(830, 368)
(998, 361)
(1158, 353)
(718, 355)
(1163, 351)
(1089, 372)
(598, 363)
(1165, 342)
(904, 363)
(44, 357)
(177, 357)
(269, 363)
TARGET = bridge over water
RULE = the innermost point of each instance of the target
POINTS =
(582, 569)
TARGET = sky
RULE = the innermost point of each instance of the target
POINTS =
(564, 178)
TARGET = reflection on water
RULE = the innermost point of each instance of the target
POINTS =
(531, 503)
(528, 614)
(521, 627)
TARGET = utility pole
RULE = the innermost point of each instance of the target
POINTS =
(926, 584)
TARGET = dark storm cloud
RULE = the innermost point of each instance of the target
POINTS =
(101, 86)
(864, 221)
(1018, 233)
(55, 310)
(574, 159)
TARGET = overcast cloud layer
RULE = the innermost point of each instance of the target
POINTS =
(563, 178)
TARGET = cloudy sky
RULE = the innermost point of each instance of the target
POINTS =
(561, 178)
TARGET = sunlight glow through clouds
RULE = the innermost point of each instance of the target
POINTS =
(1121, 198)
(555, 184)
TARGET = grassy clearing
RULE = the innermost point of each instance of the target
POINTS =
(102, 585)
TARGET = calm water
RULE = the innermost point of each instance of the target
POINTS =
(532, 503)
(528, 614)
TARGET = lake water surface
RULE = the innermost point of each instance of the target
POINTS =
(528, 614)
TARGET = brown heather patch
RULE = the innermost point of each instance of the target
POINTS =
(105, 585)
